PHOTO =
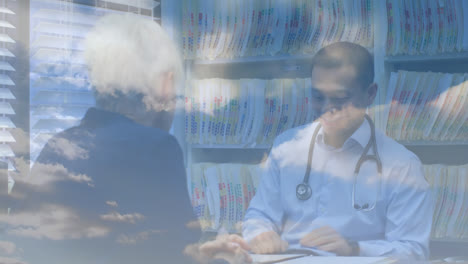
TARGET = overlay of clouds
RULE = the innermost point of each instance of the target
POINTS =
(81, 178)
(55, 83)
(46, 174)
(123, 218)
(51, 222)
(4, 260)
(292, 154)
(112, 203)
(68, 149)
(299, 144)
(7, 247)
(195, 225)
(139, 237)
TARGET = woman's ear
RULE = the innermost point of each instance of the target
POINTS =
(167, 85)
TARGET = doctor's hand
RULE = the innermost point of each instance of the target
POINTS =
(327, 239)
(268, 243)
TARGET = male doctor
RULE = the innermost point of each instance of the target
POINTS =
(326, 208)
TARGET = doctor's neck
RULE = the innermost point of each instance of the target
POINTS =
(338, 137)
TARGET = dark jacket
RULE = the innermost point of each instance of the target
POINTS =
(127, 184)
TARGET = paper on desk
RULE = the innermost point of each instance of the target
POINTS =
(272, 258)
(340, 260)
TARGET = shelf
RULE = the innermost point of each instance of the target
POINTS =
(260, 67)
(255, 59)
(199, 146)
(432, 143)
(462, 56)
(449, 240)
(302, 57)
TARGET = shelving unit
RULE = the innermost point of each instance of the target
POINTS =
(298, 66)
(451, 153)
(261, 67)
(431, 152)
(280, 66)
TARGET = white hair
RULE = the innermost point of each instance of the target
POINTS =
(128, 54)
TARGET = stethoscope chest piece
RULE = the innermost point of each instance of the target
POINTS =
(303, 191)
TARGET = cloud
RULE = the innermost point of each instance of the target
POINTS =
(57, 83)
(126, 218)
(287, 151)
(68, 149)
(45, 174)
(52, 222)
(134, 239)
(4, 260)
(112, 203)
(81, 178)
(7, 247)
(195, 225)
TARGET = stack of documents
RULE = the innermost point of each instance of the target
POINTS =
(221, 194)
(245, 112)
(274, 258)
(449, 185)
(426, 106)
(305, 259)
(426, 27)
(239, 28)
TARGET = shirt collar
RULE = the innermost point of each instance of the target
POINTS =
(361, 136)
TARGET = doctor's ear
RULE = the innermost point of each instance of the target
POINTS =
(371, 93)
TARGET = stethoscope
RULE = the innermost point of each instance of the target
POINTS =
(304, 191)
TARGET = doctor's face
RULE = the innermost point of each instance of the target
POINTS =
(339, 99)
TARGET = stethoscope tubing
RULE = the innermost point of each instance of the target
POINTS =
(304, 191)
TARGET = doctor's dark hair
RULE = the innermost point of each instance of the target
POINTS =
(342, 54)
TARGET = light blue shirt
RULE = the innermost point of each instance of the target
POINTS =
(400, 224)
